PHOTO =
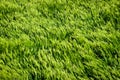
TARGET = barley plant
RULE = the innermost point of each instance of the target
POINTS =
(59, 39)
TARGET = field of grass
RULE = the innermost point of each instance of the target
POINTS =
(59, 40)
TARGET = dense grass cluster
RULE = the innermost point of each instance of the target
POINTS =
(59, 39)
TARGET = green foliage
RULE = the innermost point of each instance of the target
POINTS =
(59, 39)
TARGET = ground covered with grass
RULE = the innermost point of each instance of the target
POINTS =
(59, 39)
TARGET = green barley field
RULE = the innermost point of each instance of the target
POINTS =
(59, 39)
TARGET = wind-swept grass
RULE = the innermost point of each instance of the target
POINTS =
(59, 39)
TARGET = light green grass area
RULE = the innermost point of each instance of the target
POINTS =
(59, 39)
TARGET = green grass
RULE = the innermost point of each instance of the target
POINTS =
(59, 39)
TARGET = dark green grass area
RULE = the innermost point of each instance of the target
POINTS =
(59, 39)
